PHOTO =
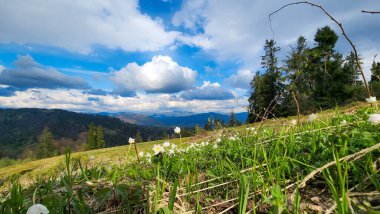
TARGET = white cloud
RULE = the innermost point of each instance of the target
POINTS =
(160, 75)
(241, 79)
(75, 100)
(77, 25)
(236, 30)
(208, 91)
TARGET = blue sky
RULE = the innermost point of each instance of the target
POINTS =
(155, 56)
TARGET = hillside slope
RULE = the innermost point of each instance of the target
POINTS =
(20, 128)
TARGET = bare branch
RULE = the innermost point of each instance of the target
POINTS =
(371, 12)
(341, 28)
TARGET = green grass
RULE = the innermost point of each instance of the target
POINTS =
(246, 171)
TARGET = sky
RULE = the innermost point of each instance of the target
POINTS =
(157, 56)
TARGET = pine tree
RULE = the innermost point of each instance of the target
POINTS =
(46, 144)
(91, 140)
(138, 138)
(232, 121)
(266, 88)
(100, 142)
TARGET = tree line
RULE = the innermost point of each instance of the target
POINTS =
(309, 79)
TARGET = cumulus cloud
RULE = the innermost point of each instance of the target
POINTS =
(229, 32)
(208, 91)
(78, 25)
(241, 79)
(75, 100)
(27, 73)
(160, 75)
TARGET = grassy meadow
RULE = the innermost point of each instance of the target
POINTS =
(328, 162)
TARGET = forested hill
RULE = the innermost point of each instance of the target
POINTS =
(20, 128)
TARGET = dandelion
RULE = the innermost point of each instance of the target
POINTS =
(177, 130)
(293, 122)
(370, 99)
(218, 140)
(374, 119)
(166, 144)
(312, 117)
(157, 149)
(141, 154)
(215, 146)
(37, 209)
(343, 123)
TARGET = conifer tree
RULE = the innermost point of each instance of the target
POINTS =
(138, 138)
(46, 144)
(232, 121)
(91, 137)
(100, 142)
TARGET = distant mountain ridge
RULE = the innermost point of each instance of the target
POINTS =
(170, 121)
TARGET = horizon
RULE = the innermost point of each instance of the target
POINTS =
(156, 56)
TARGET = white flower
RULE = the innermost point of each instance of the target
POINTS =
(131, 141)
(206, 143)
(374, 119)
(343, 123)
(232, 138)
(215, 146)
(141, 154)
(157, 149)
(370, 99)
(312, 117)
(166, 144)
(37, 209)
(293, 122)
(173, 146)
(177, 130)
(92, 157)
(218, 140)
(148, 155)
(171, 152)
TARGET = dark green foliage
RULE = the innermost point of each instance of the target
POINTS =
(20, 129)
(138, 138)
(46, 144)
(319, 77)
(266, 88)
(95, 137)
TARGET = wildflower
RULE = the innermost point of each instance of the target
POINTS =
(312, 117)
(218, 140)
(177, 130)
(343, 123)
(374, 119)
(232, 138)
(370, 99)
(141, 154)
(148, 155)
(92, 157)
(166, 144)
(293, 122)
(215, 146)
(173, 146)
(206, 143)
(157, 149)
(37, 209)
(131, 140)
(171, 152)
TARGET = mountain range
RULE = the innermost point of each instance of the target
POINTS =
(182, 121)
